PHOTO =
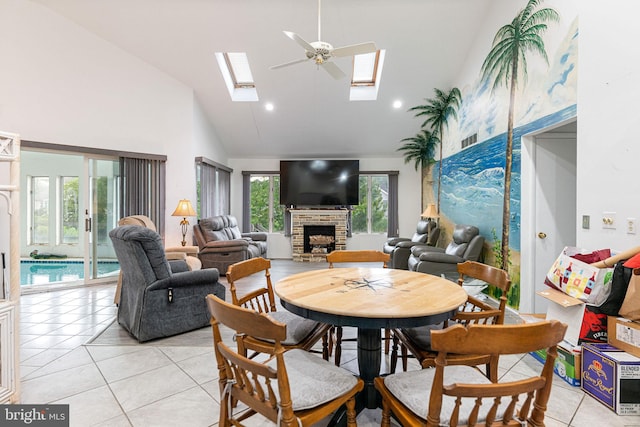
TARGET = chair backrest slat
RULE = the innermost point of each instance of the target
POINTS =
(261, 298)
(356, 256)
(241, 378)
(533, 392)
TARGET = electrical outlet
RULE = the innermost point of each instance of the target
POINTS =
(609, 220)
(631, 226)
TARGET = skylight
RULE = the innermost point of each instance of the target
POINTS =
(364, 69)
(237, 76)
(366, 76)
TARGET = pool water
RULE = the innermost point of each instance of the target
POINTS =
(52, 271)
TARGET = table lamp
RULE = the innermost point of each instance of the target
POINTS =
(430, 212)
(184, 210)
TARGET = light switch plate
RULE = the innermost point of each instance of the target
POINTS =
(631, 226)
(585, 221)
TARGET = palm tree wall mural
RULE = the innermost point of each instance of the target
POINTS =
(421, 150)
(506, 64)
(438, 111)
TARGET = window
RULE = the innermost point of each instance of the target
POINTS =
(376, 213)
(366, 76)
(237, 76)
(68, 223)
(267, 214)
(365, 68)
(38, 210)
(371, 215)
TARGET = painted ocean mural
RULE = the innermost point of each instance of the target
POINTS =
(473, 180)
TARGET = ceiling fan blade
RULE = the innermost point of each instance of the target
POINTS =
(333, 69)
(354, 49)
(286, 64)
(302, 42)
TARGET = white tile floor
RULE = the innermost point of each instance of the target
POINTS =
(120, 383)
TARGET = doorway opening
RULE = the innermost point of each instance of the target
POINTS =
(549, 207)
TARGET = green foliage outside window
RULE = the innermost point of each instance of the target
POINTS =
(376, 211)
(70, 209)
(265, 201)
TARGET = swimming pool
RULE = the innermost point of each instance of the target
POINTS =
(51, 271)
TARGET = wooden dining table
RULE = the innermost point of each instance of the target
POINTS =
(370, 299)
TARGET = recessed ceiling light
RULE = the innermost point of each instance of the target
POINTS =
(269, 106)
(397, 104)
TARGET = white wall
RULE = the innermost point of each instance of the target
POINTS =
(408, 200)
(608, 118)
(61, 84)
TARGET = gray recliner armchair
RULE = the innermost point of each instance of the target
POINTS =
(399, 248)
(221, 243)
(466, 245)
(156, 302)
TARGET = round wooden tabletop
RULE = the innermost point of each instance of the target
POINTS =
(370, 297)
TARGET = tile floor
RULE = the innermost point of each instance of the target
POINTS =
(120, 383)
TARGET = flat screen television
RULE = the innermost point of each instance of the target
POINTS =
(319, 182)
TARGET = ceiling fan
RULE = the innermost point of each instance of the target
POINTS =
(321, 52)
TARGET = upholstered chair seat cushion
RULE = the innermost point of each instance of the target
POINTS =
(421, 335)
(314, 381)
(298, 328)
(409, 387)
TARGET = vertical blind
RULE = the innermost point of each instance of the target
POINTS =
(215, 188)
(142, 187)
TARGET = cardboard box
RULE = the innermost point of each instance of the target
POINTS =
(624, 334)
(612, 377)
(584, 324)
(567, 365)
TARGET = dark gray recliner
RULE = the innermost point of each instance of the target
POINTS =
(466, 245)
(156, 302)
(399, 248)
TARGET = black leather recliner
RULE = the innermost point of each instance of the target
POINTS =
(399, 248)
(466, 245)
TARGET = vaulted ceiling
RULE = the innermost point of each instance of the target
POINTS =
(426, 43)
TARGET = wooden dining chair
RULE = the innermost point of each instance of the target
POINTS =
(258, 295)
(354, 256)
(292, 388)
(454, 394)
(417, 341)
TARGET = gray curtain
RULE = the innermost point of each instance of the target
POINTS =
(223, 204)
(392, 206)
(215, 188)
(142, 188)
(246, 202)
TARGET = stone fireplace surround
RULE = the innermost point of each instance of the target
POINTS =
(316, 217)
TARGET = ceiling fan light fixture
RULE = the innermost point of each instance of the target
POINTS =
(321, 52)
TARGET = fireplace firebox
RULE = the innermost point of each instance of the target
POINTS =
(319, 238)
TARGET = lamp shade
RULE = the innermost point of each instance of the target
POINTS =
(184, 209)
(430, 212)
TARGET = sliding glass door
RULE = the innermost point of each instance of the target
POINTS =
(101, 216)
(71, 204)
